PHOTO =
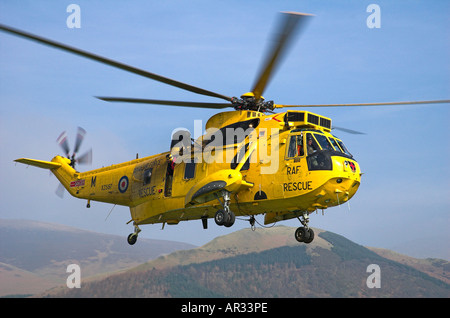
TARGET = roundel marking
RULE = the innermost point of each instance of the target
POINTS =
(123, 184)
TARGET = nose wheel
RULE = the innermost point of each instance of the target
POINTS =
(304, 234)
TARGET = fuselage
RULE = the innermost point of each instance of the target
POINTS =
(280, 165)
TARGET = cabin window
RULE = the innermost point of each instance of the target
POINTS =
(148, 176)
(239, 156)
(189, 170)
(295, 146)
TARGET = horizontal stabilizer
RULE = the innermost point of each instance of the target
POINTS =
(39, 163)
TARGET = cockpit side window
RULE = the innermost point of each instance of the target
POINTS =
(295, 146)
(335, 144)
(311, 144)
(344, 149)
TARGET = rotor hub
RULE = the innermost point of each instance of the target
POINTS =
(249, 102)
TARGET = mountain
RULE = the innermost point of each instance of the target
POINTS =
(269, 263)
(34, 255)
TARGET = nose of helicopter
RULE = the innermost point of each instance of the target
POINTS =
(347, 180)
(342, 184)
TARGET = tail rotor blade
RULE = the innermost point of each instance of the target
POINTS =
(60, 191)
(62, 141)
(86, 158)
(80, 136)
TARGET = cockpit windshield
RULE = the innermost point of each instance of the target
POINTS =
(323, 142)
(317, 147)
(335, 145)
(312, 142)
(330, 143)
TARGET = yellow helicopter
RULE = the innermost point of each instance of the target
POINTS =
(250, 161)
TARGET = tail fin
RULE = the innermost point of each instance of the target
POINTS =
(59, 166)
(39, 163)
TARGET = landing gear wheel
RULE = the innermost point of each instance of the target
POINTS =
(220, 217)
(230, 219)
(301, 234)
(305, 235)
(311, 236)
(132, 238)
(224, 218)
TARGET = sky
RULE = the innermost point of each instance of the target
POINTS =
(403, 202)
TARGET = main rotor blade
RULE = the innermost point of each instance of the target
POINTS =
(165, 102)
(290, 23)
(119, 65)
(349, 131)
(369, 104)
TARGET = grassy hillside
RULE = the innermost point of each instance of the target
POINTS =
(34, 255)
(267, 263)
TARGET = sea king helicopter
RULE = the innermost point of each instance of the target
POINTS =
(250, 161)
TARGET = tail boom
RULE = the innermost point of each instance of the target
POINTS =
(96, 185)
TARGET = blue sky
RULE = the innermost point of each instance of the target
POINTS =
(218, 45)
